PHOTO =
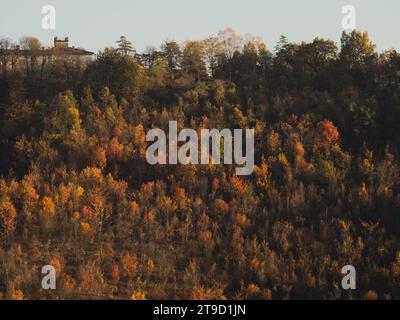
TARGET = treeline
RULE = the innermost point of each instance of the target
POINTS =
(76, 191)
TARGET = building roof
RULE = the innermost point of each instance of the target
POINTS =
(69, 51)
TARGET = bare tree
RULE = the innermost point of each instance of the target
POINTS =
(6, 46)
(30, 47)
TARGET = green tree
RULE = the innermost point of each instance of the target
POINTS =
(125, 47)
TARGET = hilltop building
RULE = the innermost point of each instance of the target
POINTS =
(36, 59)
(61, 47)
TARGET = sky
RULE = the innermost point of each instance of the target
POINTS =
(95, 24)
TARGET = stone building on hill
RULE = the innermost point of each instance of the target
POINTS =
(33, 59)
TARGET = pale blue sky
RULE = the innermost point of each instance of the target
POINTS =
(95, 24)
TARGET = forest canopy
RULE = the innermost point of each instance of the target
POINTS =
(77, 193)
